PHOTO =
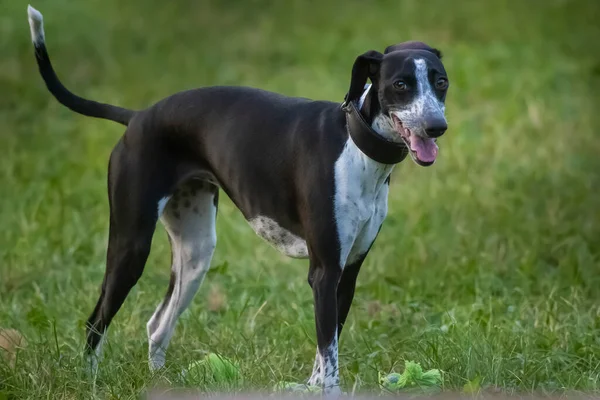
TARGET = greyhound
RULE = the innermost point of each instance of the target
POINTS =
(311, 178)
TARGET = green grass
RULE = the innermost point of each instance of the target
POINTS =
(488, 266)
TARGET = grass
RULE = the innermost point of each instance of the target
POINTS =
(488, 266)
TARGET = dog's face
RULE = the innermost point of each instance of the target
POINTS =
(407, 103)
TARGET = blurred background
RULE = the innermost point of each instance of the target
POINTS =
(487, 267)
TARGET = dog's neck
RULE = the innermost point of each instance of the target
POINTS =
(376, 172)
(371, 174)
(381, 123)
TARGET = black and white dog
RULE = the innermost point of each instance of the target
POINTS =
(311, 178)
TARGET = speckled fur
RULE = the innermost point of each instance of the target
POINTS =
(328, 363)
(189, 218)
(283, 240)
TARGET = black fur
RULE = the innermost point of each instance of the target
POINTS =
(72, 101)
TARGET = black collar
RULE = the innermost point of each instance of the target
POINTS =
(372, 144)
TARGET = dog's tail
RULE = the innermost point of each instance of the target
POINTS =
(61, 93)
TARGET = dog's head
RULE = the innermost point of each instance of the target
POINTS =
(406, 100)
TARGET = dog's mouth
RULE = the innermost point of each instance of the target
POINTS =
(423, 151)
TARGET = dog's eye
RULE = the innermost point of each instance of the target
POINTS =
(400, 85)
(441, 84)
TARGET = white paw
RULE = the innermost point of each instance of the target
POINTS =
(332, 392)
(91, 365)
(156, 357)
(315, 379)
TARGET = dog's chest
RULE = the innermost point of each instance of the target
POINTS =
(360, 202)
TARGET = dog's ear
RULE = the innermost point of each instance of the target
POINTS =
(413, 46)
(366, 66)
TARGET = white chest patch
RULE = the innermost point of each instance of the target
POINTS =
(360, 202)
(280, 238)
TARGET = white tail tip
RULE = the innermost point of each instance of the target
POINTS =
(36, 25)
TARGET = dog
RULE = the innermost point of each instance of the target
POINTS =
(311, 178)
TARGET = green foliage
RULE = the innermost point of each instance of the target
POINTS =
(413, 377)
(486, 268)
(213, 369)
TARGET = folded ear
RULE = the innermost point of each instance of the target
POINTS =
(366, 66)
(413, 45)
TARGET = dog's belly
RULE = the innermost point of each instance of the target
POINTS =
(280, 238)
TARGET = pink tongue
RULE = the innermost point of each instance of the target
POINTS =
(426, 149)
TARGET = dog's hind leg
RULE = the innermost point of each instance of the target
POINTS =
(133, 196)
(189, 218)
(127, 254)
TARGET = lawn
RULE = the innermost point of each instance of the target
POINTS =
(487, 267)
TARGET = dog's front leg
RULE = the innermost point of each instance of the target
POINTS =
(345, 294)
(324, 281)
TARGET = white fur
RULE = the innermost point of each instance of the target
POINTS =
(36, 25)
(280, 238)
(193, 237)
(161, 205)
(360, 201)
(383, 124)
(315, 377)
(326, 369)
(330, 368)
(364, 95)
(93, 359)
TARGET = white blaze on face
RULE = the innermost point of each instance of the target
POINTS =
(425, 105)
(427, 99)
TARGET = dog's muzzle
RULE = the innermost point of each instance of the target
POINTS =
(420, 136)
